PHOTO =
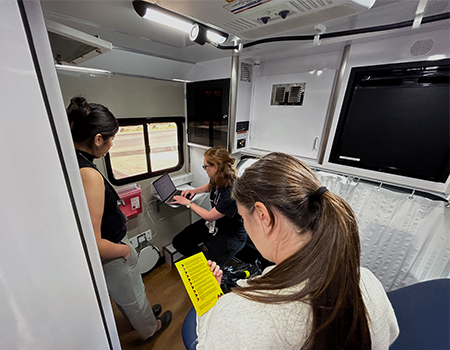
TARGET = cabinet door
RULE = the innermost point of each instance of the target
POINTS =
(207, 112)
(293, 129)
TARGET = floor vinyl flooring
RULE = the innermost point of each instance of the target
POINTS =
(163, 286)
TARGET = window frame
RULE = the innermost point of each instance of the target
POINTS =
(144, 122)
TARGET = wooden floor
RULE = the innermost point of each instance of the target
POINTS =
(163, 286)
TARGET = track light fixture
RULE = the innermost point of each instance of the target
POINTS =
(198, 32)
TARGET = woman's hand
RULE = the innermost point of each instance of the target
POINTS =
(127, 255)
(180, 200)
(217, 272)
(189, 194)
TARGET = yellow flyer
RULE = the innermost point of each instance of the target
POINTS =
(200, 283)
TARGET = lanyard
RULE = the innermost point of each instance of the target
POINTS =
(216, 197)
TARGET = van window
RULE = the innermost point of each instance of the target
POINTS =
(145, 147)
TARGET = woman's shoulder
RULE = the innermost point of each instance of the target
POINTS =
(91, 175)
(382, 320)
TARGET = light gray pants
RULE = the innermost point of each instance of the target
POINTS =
(126, 288)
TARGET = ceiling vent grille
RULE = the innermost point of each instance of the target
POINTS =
(256, 19)
(288, 94)
(246, 72)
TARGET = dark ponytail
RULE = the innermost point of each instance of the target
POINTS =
(89, 119)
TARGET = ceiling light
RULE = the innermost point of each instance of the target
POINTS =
(81, 69)
(198, 32)
(168, 20)
(215, 37)
(160, 15)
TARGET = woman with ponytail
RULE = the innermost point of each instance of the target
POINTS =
(93, 129)
(316, 297)
(221, 228)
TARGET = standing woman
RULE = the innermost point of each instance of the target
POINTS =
(93, 129)
(316, 297)
(221, 227)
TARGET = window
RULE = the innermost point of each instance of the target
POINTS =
(145, 147)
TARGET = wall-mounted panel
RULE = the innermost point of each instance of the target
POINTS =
(291, 128)
(52, 295)
(125, 96)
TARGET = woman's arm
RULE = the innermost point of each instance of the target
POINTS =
(94, 189)
(191, 193)
(208, 215)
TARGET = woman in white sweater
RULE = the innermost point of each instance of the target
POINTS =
(316, 296)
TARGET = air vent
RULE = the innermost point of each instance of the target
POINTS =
(256, 19)
(288, 94)
(246, 72)
(72, 46)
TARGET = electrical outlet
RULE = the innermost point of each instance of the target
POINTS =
(134, 241)
(148, 234)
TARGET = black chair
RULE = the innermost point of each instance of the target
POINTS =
(423, 315)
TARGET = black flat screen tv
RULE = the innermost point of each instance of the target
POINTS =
(396, 119)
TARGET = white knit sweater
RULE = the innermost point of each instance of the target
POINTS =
(238, 323)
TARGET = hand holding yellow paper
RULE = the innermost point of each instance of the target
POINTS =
(200, 283)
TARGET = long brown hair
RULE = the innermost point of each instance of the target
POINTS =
(220, 157)
(327, 266)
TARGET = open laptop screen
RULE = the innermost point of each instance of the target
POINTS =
(164, 187)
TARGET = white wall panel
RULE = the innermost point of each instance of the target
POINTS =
(138, 64)
(125, 96)
(47, 298)
(291, 129)
(386, 51)
(211, 70)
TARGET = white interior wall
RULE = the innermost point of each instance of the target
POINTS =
(125, 96)
(211, 70)
(118, 61)
(132, 63)
(49, 261)
(287, 128)
(129, 97)
(268, 133)
(296, 130)
(385, 51)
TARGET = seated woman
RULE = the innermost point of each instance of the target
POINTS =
(221, 228)
(316, 296)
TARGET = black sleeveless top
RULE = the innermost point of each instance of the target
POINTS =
(113, 226)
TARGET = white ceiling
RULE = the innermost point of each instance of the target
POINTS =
(117, 22)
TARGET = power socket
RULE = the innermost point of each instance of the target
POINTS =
(134, 241)
(148, 234)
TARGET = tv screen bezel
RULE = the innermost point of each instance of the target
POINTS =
(355, 73)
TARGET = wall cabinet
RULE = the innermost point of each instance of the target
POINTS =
(207, 112)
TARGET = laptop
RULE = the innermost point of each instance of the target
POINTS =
(165, 188)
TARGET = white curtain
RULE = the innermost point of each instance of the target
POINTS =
(405, 238)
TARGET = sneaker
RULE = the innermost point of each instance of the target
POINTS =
(165, 319)
(156, 309)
